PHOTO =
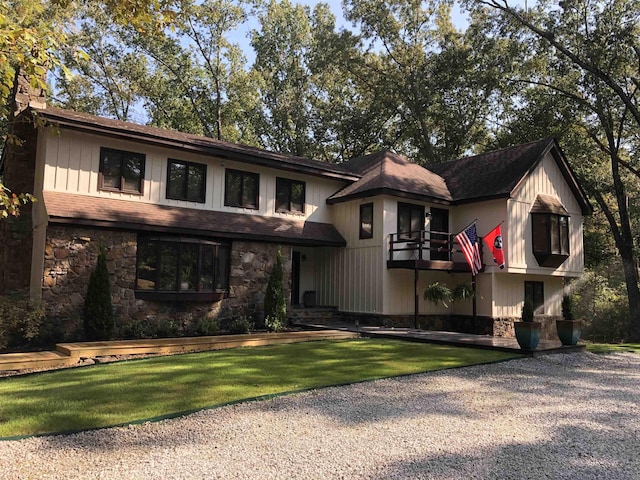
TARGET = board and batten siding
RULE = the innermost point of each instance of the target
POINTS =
(508, 294)
(351, 278)
(71, 164)
(546, 179)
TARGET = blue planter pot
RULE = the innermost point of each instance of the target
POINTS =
(528, 334)
(569, 331)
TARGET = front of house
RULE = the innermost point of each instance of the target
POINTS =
(191, 226)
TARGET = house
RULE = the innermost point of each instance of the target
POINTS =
(191, 226)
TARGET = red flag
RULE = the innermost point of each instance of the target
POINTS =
(493, 239)
(468, 240)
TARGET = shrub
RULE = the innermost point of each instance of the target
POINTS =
(207, 326)
(99, 321)
(567, 307)
(273, 324)
(436, 293)
(240, 324)
(20, 321)
(527, 311)
(275, 306)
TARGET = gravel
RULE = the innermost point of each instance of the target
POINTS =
(558, 416)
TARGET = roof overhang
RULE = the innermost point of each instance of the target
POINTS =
(100, 212)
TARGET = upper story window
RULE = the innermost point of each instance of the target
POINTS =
(121, 171)
(550, 231)
(410, 221)
(186, 180)
(190, 268)
(366, 220)
(241, 189)
(290, 195)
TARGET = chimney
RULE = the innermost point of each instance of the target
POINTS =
(25, 95)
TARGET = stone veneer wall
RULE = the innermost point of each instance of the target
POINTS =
(71, 254)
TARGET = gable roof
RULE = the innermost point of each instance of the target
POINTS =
(190, 142)
(386, 172)
(63, 208)
(500, 173)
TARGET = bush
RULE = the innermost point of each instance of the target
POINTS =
(240, 324)
(275, 306)
(20, 322)
(273, 324)
(567, 307)
(99, 321)
(527, 311)
(207, 326)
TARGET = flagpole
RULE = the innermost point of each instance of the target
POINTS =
(493, 228)
(473, 300)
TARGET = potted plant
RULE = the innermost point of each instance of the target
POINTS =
(527, 331)
(569, 329)
(436, 293)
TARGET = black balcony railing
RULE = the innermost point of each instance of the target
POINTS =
(425, 245)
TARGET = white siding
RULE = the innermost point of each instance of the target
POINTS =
(72, 162)
(508, 294)
(546, 179)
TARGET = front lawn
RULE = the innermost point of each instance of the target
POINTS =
(117, 393)
(613, 347)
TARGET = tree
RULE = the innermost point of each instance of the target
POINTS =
(99, 322)
(275, 306)
(588, 52)
(431, 79)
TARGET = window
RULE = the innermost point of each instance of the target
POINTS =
(550, 238)
(289, 195)
(439, 234)
(121, 171)
(534, 292)
(410, 221)
(186, 180)
(366, 220)
(241, 189)
(189, 268)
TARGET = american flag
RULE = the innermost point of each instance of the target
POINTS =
(468, 240)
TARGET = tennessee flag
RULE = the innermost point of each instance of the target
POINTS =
(493, 239)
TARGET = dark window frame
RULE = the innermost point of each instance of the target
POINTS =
(550, 238)
(534, 292)
(122, 180)
(286, 187)
(415, 212)
(201, 195)
(221, 252)
(364, 234)
(229, 202)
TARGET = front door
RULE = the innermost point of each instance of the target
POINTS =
(295, 278)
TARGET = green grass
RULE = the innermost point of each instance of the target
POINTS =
(613, 347)
(117, 393)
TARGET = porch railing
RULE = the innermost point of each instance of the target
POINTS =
(425, 245)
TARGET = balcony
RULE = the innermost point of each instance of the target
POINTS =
(427, 250)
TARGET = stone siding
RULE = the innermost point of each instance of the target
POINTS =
(71, 254)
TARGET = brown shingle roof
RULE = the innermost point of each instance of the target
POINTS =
(388, 173)
(190, 142)
(107, 212)
(493, 174)
(548, 204)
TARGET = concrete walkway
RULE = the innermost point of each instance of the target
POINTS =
(545, 347)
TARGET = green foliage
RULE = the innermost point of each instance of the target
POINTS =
(567, 307)
(463, 291)
(273, 324)
(275, 306)
(207, 326)
(436, 293)
(527, 311)
(239, 324)
(10, 202)
(20, 322)
(601, 303)
(99, 322)
(39, 404)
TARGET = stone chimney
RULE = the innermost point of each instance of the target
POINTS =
(25, 95)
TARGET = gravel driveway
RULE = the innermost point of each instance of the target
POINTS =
(560, 416)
